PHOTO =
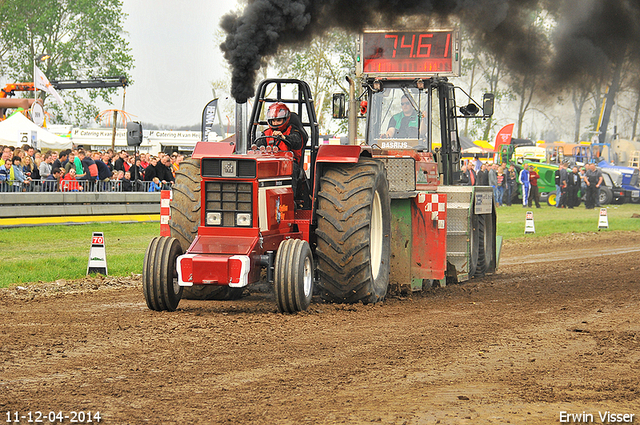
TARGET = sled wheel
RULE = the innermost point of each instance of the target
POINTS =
(486, 240)
(474, 245)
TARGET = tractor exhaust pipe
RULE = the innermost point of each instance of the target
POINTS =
(241, 128)
(353, 112)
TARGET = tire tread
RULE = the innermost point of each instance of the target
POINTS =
(344, 217)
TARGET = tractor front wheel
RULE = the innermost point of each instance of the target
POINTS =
(293, 276)
(159, 274)
(605, 196)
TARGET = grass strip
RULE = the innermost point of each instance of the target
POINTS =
(550, 220)
(49, 253)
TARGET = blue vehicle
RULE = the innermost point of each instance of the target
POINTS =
(621, 183)
(624, 181)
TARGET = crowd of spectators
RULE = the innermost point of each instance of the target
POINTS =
(505, 180)
(27, 169)
(502, 179)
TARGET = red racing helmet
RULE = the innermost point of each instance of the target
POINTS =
(278, 110)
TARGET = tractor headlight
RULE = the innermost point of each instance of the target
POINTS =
(214, 219)
(243, 219)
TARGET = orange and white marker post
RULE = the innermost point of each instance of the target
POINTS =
(165, 212)
(97, 255)
(529, 227)
(603, 222)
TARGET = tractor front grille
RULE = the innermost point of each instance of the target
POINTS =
(634, 178)
(229, 198)
(241, 168)
(401, 174)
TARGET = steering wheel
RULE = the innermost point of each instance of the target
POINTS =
(255, 141)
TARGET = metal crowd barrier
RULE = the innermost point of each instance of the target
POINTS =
(77, 186)
(21, 207)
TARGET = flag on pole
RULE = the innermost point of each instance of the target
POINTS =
(208, 118)
(42, 82)
(503, 137)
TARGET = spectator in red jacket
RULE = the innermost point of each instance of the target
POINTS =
(69, 182)
(534, 194)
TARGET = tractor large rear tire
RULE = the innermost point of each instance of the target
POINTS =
(185, 205)
(184, 222)
(354, 242)
(159, 275)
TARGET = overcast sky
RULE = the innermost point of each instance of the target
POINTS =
(176, 58)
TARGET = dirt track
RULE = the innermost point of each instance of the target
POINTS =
(521, 346)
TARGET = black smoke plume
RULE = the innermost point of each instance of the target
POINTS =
(589, 35)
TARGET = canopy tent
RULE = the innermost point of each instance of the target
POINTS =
(477, 150)
(18, 130)
(465, 142)
(484, 145)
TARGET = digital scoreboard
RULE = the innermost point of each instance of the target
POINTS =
(404, 53)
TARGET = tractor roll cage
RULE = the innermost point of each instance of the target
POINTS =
(303, 103)
(304, 100)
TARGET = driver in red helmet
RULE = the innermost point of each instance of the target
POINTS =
(279, 117)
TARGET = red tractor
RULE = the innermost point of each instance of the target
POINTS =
(234, 214)
(356, 219)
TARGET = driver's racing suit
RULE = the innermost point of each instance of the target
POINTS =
(292, 142)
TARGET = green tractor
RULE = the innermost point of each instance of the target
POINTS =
(521, 157)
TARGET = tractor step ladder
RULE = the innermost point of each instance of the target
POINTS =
(635, 159)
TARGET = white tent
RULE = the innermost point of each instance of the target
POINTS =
(18, 130)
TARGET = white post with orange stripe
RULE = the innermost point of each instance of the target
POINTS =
(165, 212)
(306, 163)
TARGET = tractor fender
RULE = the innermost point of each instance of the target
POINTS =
(344, 154)
(212, 149)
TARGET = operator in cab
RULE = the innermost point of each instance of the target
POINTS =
(279, 119)
(288, 137)
(405, 124)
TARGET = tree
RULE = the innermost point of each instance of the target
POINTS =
(84, 39)
(536, 27)
(469, 66)
(481, 71)
(524, 87)
(4, 21)
(636, 110)
(493, 73)
(580, 93)
(323, 64)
